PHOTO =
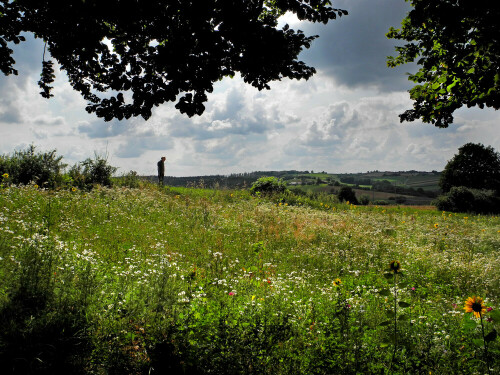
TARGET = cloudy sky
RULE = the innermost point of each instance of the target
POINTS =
(344, 119)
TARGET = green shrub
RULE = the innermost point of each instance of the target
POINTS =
(380, 202)
(268, 185)
(346, 194)
(91, 172)
(130, 179)
(77, 176)
(364, 200)
(26, 166)
(463, 199)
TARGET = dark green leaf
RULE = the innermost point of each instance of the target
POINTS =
(478, 342)
(495, 315)
(491, 336)
(385, 344)
(470, 324)
(390, 313)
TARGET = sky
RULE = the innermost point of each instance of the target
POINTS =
(344, 119)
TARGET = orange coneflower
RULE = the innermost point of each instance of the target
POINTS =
(475, 305)
(337, 282)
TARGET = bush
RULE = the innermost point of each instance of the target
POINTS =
(130, 179)
(23, 167)
(91, 172)
(268, 185)
(463, 199)
(347, 194)
(364, 200)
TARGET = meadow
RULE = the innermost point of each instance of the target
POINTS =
(197, 281)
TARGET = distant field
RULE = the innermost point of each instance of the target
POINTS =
(378, 195)
(430, 182)
(372, 195)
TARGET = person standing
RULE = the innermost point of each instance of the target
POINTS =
(161, 170)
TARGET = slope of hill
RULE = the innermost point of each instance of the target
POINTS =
(408, 187)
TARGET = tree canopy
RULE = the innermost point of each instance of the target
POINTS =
(457, 45)
(127, 56)
(474, 166)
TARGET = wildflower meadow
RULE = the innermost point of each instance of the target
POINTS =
(161, 280)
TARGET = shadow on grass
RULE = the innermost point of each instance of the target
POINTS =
(35, 339)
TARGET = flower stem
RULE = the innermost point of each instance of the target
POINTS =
(395, 319)
(484, 342)
(395, 312)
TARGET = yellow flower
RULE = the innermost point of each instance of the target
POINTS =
(436, 225)
(73, 189)
(337, 282)
(475, 305)
(36, 186)
(5, 175)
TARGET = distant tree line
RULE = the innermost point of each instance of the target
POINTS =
(231, 181)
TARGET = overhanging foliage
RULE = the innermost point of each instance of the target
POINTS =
(145, 53)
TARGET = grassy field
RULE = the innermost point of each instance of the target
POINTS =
(195, 281)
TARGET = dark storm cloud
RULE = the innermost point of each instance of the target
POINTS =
(138, 145)
(10, 110)
(101, 129)
(10, 115)
(28, 55)
(236, 115)
(59, 120)
(235, 103)
(354, 49)
(333, 127)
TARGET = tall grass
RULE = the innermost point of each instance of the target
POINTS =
(177, 280)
